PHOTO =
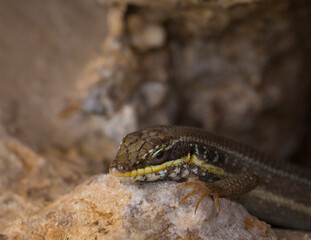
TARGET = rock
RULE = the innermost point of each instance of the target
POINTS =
(219, 64)
(55, 47)
(29, 181)
(145, 36)
(104, 208)
(291, 235)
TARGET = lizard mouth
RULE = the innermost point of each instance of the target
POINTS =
(149, 173)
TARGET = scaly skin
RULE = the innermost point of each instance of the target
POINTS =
(283, 193)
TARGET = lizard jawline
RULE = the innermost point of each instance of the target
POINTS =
(145, 171)
(149, 171)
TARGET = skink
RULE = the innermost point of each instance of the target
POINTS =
(277, 192)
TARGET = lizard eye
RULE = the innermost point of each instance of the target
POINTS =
(160, 157)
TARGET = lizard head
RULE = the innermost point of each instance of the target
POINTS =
(165, 153)
(146, 155)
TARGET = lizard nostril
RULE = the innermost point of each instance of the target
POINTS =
(123, 167)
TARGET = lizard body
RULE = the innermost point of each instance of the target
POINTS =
(277, 192)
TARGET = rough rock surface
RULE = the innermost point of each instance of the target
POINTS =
(44, 47)
(29, 181)
(229, 66)
(103, 208)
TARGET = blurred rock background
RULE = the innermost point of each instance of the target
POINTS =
(76, 76)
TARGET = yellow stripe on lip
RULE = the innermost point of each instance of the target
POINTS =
(147, 170)
(218, 171)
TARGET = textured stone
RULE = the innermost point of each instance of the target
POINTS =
(40, 60)
(145, 36)
(291, 235)
(103, 208)
(29, 181)
(221, 65)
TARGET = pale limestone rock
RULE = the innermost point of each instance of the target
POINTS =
(29, 181)
(104, 208)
